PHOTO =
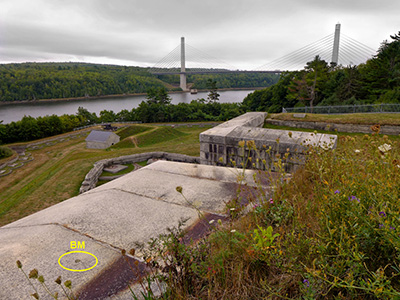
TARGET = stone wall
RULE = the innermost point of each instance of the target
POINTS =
(351, 128)
(11, 161)
(92, 177)
(220, 145)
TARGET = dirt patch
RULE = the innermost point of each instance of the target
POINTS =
(134, 141)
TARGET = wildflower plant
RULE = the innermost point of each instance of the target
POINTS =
(358, 208)
(66, 290)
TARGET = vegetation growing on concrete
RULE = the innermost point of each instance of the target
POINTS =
(331, 232)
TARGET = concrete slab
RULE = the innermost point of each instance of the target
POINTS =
(204, 171)
(134, 208)
(204, 187)
(113, 217)
(115, 168)
(300, 116)
(40, 247)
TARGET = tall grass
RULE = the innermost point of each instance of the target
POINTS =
(331, 232)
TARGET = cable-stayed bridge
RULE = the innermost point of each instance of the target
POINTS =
(336, 48)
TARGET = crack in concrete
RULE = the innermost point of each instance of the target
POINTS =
(27, 226)
(217, 179)
(144, 196)
(66, 227)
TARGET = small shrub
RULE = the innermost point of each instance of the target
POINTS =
(5, 152)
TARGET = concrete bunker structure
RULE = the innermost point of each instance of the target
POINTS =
(220, 145)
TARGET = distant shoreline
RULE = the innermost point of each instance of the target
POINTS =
(112, 96)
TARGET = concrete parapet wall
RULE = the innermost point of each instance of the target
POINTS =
(93, 175)
(220, 145)
(351, 128)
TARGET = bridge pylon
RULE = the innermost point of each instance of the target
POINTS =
(183, 84)
(335, 52)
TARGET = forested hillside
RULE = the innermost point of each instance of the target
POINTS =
(34, 81)
(376, 81)
(238, 80)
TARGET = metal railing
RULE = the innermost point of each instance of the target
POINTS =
(346, 109)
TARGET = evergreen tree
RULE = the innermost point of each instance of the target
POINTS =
(309, 85)
(158, 96)
(212, 94)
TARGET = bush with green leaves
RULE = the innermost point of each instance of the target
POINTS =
(5, 152)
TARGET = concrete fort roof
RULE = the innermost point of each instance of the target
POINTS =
(99, 136)
(248, 127)
(218, 133)
(134, 208)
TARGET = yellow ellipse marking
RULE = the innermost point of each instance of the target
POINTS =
(76, 270)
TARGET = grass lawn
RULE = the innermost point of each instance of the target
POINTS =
(132, 130)
(382, 119)
(57, 171)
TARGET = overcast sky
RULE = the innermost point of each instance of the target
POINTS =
(243, 33)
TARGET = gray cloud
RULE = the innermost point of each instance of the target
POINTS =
(245, 33)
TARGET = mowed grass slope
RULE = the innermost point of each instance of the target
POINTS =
(132, 130)
(57, 171)
(161, 134)
(149, 137)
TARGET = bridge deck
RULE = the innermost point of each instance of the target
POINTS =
(215, 72)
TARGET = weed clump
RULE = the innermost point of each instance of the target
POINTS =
(34, 275)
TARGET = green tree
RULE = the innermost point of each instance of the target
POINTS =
(50, 125)
(158, 96)
(308, 86)
(90, 118)
(273, 98)
(3, 132)
(213, 95)
(125, 116)
(382, 73)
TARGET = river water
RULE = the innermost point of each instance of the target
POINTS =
(15, 112)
